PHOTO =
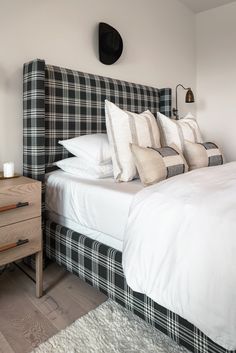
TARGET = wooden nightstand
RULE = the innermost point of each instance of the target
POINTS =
(22, 223)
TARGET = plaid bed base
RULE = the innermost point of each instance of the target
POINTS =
(101, 267)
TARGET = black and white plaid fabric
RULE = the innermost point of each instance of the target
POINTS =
(34, 120)
(176, 167)
(213, 153)
(60, 104)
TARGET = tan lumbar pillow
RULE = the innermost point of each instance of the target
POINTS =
(199, 155)
(156, 164)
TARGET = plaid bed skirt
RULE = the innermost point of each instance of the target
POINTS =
(101, 267)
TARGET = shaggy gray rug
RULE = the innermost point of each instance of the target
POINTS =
(109, 329)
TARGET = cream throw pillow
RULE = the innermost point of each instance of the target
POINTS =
(177, 131)
(158, 164)
(123, 128)
(199, 155)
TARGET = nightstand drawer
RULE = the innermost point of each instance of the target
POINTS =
(31, 230)
(19, 192)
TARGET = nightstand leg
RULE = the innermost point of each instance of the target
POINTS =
(39, 273)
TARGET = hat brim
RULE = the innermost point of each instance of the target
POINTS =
(109, 57)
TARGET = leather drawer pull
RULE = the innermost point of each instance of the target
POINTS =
(12, 207)
(13, 245)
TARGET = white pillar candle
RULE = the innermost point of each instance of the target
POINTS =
(8, 169)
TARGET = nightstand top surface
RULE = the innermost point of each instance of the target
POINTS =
(11, 182)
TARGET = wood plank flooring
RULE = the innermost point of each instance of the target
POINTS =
(26, 321)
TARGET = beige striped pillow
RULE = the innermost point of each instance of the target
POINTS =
(177, 131)
(156, 164)
(124, 128)
(200, 155)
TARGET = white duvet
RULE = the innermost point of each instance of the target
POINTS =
(180, 248)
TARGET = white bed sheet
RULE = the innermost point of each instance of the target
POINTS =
(96, 208)
(91, 233)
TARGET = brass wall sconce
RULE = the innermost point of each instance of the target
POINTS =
(188, 99)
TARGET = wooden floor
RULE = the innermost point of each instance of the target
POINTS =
(26, 321)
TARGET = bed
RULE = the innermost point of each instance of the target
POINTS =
(59, 104)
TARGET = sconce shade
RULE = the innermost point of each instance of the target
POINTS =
(189, 96)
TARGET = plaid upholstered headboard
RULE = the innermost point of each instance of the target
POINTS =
(60, 103)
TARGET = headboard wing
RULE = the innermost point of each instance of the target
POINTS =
(61, 103)
(34, 120)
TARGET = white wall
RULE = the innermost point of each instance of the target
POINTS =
(216, 76)
(159, 48)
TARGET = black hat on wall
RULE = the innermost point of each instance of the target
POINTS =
(110, 44)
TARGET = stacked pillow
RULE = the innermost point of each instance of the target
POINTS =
(92, 156)
(83, 169)
(94, 148)
(136, 145)
(186, 135)
(132, 148)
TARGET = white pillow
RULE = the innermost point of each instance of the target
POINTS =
(124, 128)
(85, 169)
(93, 147)
(177, 131)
